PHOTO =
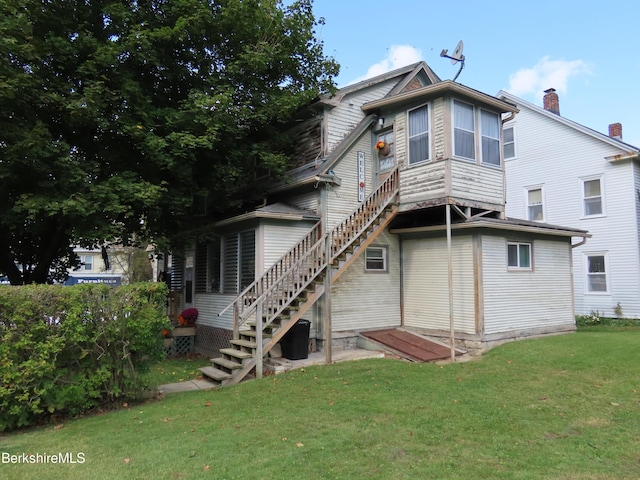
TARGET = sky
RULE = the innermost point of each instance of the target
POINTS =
(587, 50)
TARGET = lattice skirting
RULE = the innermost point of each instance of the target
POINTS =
(209, 340)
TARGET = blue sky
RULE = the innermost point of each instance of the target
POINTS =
(587, 50)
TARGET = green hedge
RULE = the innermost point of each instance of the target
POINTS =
(65, 350)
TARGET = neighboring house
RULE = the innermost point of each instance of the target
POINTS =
(392, 217)
(559, 171)
(114, 265)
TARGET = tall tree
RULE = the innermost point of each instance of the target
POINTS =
(115, 115)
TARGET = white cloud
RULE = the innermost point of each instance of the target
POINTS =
(398, 56)
(545, 74)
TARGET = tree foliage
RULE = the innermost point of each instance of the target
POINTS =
(115, 115)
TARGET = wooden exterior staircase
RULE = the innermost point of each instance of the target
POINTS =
(265, 311)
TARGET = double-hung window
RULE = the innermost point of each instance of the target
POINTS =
(535, 210)
(518, 256)
(464, 130)
(419, 135)
(490, 130)
(592, 196)
(597, 281)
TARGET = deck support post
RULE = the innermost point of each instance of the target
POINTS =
(327, 301)
(450, 276)
(259, 318)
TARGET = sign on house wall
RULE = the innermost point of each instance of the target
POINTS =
(361, 176)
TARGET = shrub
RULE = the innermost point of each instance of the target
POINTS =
(64, 350)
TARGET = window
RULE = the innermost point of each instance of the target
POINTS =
(490, 130)
(519, 256)
(239, 261)
(535, 211)
(509, 143)
(87, 262)
(463, 130)
(207, 263)
(386, 156)
(597, 274)
(418, 135)
(592, 197)
(375, 259)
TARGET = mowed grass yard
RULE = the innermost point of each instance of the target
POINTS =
(562, 407)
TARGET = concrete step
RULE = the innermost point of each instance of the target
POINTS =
(215, 374)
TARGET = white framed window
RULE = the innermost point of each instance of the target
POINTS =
(87, 262)
(597, 280)
(490, 133)
(464, 144)
(419, 135)
(519, 256)
(592, 196)
(508, 143)
(535, 204)
(375, 259)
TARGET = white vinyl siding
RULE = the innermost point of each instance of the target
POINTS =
(552, 153)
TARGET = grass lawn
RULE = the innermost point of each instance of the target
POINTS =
(176, 369)
(562, 407)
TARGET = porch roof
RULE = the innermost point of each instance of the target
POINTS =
(510, 224)
(275, 211)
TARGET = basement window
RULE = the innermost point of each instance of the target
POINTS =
(375, 259)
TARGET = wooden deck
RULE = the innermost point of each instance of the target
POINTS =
(413, 346)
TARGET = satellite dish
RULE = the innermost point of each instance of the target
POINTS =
(455, 57)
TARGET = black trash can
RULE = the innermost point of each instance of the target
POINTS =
(295, 343)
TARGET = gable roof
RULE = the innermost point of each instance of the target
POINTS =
(629, 150)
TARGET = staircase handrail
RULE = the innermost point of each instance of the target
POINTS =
(342, 236)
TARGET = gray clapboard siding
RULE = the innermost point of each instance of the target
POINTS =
(366, 300)
(520, 300)
(426, 291)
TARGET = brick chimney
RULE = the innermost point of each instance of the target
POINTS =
(551, 102)
(615, 131)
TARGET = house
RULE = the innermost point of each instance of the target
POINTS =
(112, 265)
(393, 216)
(559, 171)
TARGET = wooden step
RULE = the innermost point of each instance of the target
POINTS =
(215, 374)
(254, 334)
(244, 343)
(232, 352)
(226, 363)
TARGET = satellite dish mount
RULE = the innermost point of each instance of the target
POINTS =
(455, 57)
